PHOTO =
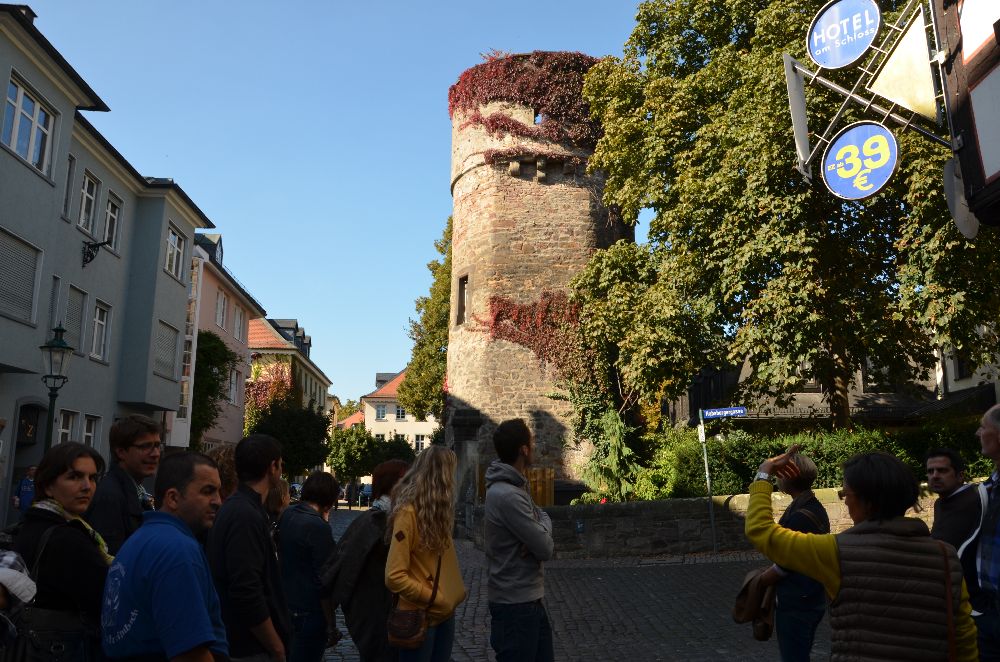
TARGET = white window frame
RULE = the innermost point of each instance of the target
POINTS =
(16, 108)
(70, 176)
(100, 352)
(90, 436)
(66, 432)
(400, 413)
(418, 442)
(231, 396)
(378, 416)
(175, 252)
(380, 437)
(88, 202)
(239, 320)
(398, 437)
(112, 237)
(221, 308)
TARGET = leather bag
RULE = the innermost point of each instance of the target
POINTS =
(407, 628)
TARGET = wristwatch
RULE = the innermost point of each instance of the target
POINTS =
(762, 475)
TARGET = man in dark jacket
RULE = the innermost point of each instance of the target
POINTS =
(244, 560)
(305, 542)
(958, 514)
(518, 540)
(118, 505)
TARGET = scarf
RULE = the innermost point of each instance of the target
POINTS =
(54, 506)
(382, 503)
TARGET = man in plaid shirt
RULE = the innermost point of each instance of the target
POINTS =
(988, 621)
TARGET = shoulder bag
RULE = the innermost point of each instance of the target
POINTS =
(407, 628)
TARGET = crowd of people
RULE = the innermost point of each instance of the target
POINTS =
(217, 564)
(894, 588)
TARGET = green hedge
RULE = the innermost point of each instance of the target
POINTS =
(677, 469)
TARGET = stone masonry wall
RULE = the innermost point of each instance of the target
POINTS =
(669, 527)
(519, 229)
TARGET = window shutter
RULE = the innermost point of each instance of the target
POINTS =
(74, 317)
(165, 350)
(18, 271)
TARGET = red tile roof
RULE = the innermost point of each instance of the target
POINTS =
(261, 335)
(390, 388)
(357, 418)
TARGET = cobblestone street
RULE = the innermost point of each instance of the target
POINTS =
(671, 608)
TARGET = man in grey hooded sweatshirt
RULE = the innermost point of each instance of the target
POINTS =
(518, 540)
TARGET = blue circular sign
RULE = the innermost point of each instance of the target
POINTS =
(860, 161)
(842, 31)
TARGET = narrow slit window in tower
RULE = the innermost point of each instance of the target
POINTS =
(463, 299)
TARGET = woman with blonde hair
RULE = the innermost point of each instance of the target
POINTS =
(422, 553)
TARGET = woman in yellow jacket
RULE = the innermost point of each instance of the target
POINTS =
(419, 530)
(896, 594)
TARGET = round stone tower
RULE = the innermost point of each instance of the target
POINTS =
(526, 219)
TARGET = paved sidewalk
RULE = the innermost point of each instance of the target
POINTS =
(662, 608)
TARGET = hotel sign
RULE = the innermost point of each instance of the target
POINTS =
(842, 31)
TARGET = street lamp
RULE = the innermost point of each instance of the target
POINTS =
(55, 356)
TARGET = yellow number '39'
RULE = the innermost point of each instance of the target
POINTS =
(876, 146)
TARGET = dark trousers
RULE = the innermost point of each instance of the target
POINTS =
(309, 638)
(521, 632)
(796, 629)
(988, 626)
(436, 647)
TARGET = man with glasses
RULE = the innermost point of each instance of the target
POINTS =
(120, 500)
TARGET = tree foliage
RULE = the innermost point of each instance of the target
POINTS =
(346, 409)
(213, 363)
(355, 452)
(422, 392)
(274, 407)
(747, 261)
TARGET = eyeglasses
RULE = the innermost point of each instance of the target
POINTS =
(147, 447)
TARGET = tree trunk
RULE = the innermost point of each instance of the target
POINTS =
(839, 389)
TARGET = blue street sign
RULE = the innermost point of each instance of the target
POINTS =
(842, 31)
(725, 412)
(860, 160)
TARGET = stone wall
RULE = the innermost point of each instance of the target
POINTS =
(670, 527)
(520, 228)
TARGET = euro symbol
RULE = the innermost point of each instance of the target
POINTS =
(861, 181)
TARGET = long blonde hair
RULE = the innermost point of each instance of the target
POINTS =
(429, 488)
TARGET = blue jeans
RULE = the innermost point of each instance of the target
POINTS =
(988, 627)
(521, 632)
(796, 629)
(437, 645)
(309, 637)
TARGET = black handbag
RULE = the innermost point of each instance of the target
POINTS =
(407, 628)
(48, 635)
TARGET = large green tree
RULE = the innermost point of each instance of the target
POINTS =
(776, 270)
(214, 361)
(422, 392)
(274, 407)
(355, 452)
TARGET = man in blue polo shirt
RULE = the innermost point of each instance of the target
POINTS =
(159, 599)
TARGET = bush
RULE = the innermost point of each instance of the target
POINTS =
(677, 468)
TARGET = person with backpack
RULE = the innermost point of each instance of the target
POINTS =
(67, 558)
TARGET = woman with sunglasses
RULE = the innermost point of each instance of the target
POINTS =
(896, 593)
(67, 558)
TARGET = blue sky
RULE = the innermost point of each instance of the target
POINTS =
(315, 134)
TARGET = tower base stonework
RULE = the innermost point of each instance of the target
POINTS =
(527, 217)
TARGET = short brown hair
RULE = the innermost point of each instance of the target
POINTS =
(126, 430)
(58, 460)
(224, 456)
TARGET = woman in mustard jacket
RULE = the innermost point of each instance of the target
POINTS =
(419, 530)
(896, 593)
